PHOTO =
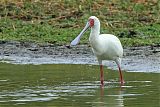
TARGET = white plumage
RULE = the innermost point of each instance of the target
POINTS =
(104, 46)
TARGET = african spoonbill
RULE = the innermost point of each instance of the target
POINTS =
(104, 46)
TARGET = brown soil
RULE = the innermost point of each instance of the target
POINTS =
(137, 59)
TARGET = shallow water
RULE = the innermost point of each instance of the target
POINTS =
(75, 85)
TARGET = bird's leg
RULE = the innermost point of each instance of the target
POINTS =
(101, 77)
(120, 72)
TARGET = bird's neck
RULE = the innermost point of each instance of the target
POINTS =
(95, 32)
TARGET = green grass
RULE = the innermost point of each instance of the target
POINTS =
(135, 22)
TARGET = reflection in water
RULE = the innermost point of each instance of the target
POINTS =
(101, 93)
(57, 85)
(120, 98)
(111, 94)
(117, 102)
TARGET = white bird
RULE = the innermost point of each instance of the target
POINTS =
(104, 46)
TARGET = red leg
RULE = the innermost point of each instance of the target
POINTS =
(101, 77)
(121, 77)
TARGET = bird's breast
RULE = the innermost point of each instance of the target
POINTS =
(104, 55)
(107, 47)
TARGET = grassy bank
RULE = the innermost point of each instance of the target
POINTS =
(135, 22)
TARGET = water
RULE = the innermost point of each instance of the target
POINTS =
(75, 85)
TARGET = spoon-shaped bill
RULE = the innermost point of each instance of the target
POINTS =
(77, 39)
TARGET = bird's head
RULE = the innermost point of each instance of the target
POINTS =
(92, 22)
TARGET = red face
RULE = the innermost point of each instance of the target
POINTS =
(91, 22)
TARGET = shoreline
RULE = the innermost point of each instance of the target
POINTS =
(135, 59)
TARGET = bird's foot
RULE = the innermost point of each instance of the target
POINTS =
(102, 83)
(122, 82)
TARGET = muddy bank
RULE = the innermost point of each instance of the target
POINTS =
(137, 59)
